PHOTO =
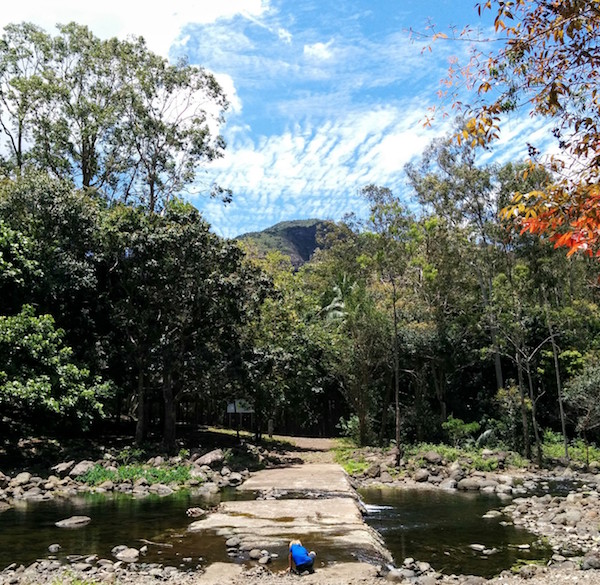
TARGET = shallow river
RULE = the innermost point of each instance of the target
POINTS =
(438, 526)
(432, 526)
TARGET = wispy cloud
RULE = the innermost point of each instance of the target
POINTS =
(316, 170)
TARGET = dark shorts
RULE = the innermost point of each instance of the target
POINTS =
(305, 567)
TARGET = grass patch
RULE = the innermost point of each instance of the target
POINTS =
(133, 472)
(577, 451)
(471, 457)
(352, 460)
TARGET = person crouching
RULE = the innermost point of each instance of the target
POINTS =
(300, 558)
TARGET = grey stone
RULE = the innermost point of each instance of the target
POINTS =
(235, 478)
(591, 561)
(528, 571)
(255, 554)
(264, 560)
(81, 468)
(469, 483)
(4, 480)
(54, 548)
(421, 475)
(233, 542)
(448, 484)
(73, 522)
(211, 458)
(128, 555)
(63, 469)
(432, 457)
(160, 489)
(21, 479)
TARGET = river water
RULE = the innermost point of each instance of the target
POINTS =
(438, 527)
(432, 526)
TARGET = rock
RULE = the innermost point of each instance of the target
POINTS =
(385, 477)
(144, 549)
(423, 567)
(54, 548)
(469, 483)
(161, 489)
(591, 561)
(107, 486)
(528, 571)
(63, 469)
(198, 474)
(373, 471)
(255, 554)
(128, 555)
(195, 512)
(233, 542)
(225, 471)
(4, 480)
(432, 457)
(21, 479)
(492, 514)
(83, 567)
(81, 468)
(235, 478)
(448, 484)
(395, 575)
(421, 475)
(477, 547)
(211, 458)
(73, 522)
(265, 560)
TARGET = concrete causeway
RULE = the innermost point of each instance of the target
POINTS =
(313, 502)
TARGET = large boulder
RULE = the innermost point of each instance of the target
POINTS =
(432, 457)
(469, 483)
(421, 475)
(62, 469)
(212, 458)
(21, 479)
(73, 522)
(81, 468)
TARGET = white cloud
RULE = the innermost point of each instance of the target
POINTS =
(319, 51)
(316, 170)
(284, 35)
(160, 25)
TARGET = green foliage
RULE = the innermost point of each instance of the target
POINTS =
(351, 459)
(132, 472)
(130, 454)
(38, 379)
(459, 431)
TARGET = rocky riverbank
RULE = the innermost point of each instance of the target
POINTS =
(208, 473)
(569, 523)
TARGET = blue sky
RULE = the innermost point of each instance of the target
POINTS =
(326, 96)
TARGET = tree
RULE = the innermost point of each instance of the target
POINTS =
(393, 233)
(583, 395)
(39, 381)
(545, 60)
(108, 115)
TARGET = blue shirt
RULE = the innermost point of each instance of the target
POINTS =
(299, 555)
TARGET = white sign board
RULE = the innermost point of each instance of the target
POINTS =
(239, 406)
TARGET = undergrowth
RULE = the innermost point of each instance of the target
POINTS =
(133, 472)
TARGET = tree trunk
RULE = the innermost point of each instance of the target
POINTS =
(169, 414)
(561, 409)
(384, 412)
(141, 427)
(536, 431)
(524, 420)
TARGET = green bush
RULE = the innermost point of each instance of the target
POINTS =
(346, 455)
(458, 430)
(99, 474)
